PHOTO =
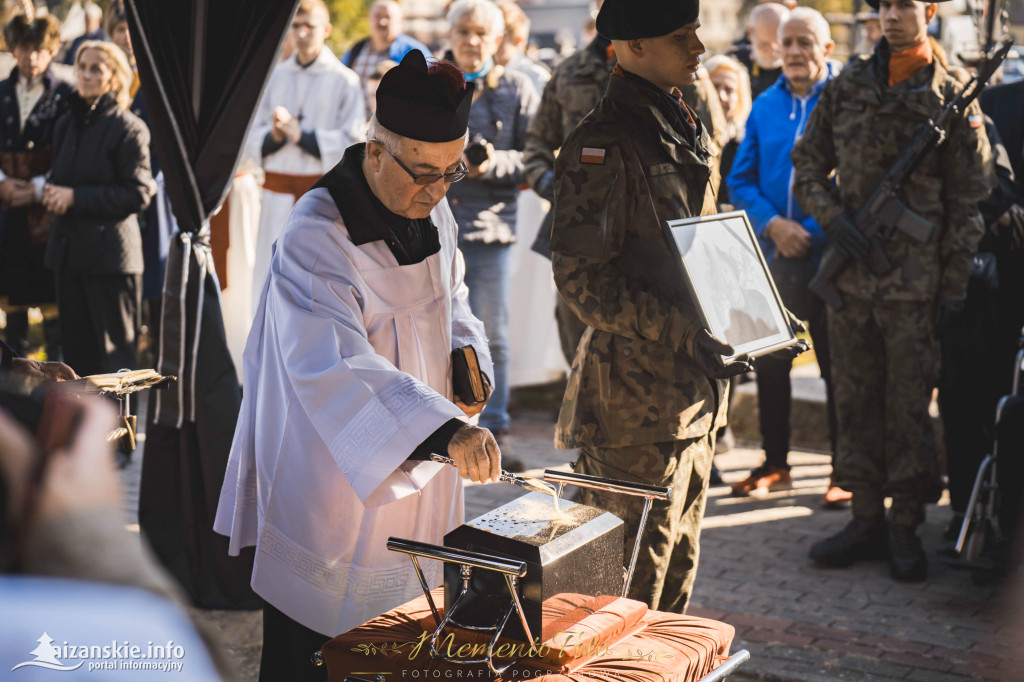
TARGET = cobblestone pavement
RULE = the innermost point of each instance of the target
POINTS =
(799, 622)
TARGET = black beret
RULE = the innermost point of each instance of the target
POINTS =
(635, 19)
(429, 105)
(874, 3)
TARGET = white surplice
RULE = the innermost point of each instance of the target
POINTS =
(329, 100)
(347, 370)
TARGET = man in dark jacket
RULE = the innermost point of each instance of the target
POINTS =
(31, 101)
(647, 389)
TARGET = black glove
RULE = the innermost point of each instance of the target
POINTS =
(947, 311)
(790, 352)
(801, 346)
(708, 352)
(843, 232)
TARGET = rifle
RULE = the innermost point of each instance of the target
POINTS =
(884, 212)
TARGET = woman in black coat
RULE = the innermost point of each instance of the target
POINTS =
(100, 181)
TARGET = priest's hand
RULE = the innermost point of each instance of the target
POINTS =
(476, 454)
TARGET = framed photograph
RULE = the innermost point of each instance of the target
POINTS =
(730, 282)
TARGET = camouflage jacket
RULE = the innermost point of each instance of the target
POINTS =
(624, 171)
(576, 86)
(859, 127)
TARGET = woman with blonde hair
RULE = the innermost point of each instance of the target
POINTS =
(99, 183)
(732, 82)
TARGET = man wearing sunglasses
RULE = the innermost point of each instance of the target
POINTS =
(348, 379)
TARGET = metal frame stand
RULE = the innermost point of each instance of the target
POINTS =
(512, 571)
(648, 492)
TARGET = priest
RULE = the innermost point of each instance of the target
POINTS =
(348, 379)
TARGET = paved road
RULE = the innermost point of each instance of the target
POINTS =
(799, 622)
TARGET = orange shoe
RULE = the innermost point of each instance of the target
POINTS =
(835, 497)
(763, 480)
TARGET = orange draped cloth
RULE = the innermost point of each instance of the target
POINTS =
(585, 639)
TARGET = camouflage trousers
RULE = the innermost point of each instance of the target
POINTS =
(570, 330)
(667, 562)
(885, 363)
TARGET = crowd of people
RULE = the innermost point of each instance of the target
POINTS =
(353, 280)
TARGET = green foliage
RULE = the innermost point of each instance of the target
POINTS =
(349, 23)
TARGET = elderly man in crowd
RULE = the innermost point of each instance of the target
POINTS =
(348, 379)
(884, 338)
(313, 108)
(760, 53)
(792, 242)
(385, 42)
(485, 204)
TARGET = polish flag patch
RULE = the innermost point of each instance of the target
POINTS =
(976, 120)
(592, 155)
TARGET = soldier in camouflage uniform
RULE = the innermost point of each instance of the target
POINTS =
(576, 86)
(646, 389)
(885, 351)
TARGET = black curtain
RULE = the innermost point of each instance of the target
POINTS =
(203, 65)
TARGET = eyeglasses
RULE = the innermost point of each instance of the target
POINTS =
(428, 178)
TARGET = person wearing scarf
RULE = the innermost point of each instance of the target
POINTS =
(885, 348)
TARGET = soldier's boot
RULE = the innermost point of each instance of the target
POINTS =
(861, 539)
(907, 561)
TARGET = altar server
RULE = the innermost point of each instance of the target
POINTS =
(313, 108)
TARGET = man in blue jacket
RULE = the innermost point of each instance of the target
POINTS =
(761, 183)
